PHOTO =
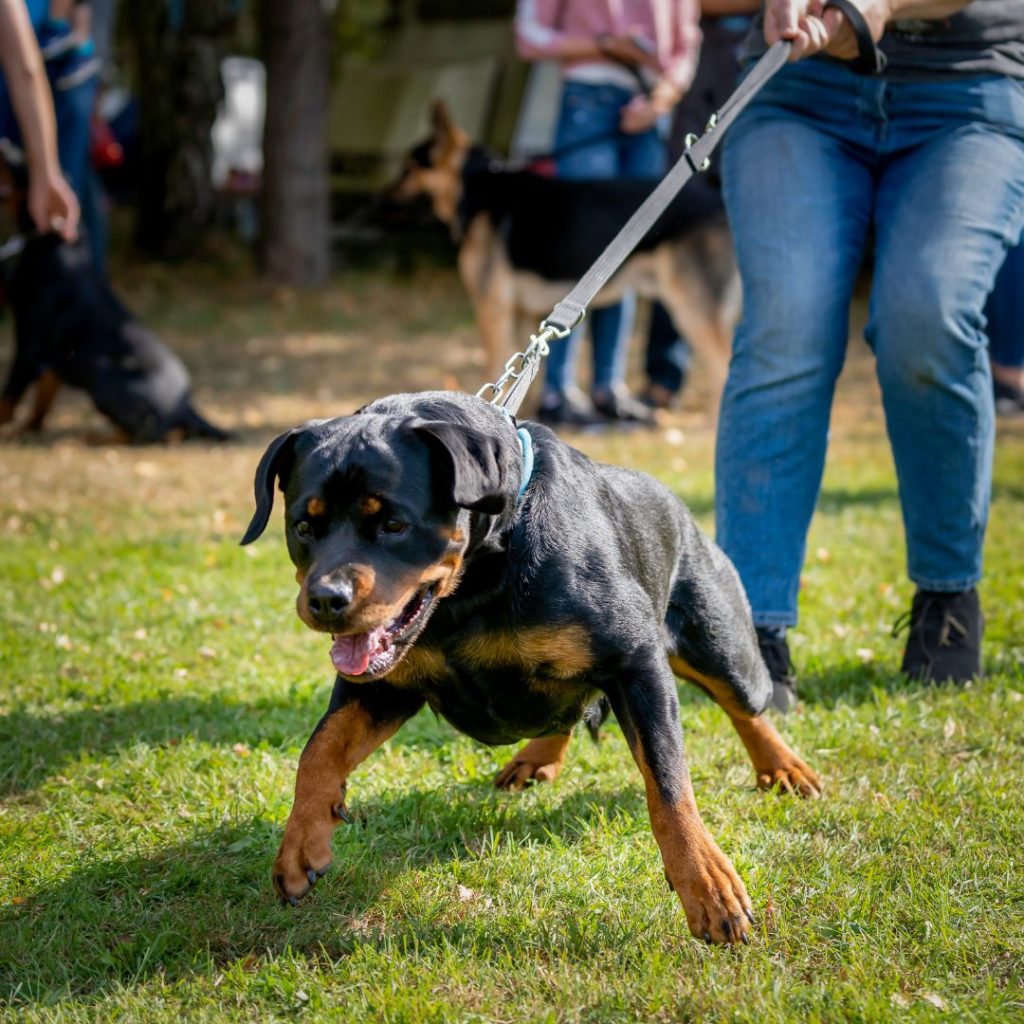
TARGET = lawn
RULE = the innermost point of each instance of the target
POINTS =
(158, 688)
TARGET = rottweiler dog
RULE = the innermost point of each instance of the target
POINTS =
(517, 588)
(70, 328)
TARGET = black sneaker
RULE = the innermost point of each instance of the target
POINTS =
(619, 406)
(569, 408)
(775, 652)
(944, 642)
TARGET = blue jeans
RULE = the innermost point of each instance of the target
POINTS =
(589, 111)
(1005, 312)
(667, 361)
(821, 162)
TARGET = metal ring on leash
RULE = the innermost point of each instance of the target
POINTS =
(519, 364)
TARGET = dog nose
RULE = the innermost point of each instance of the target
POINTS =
(328, 597)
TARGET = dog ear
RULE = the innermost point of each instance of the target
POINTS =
(275, 464)
(473, 462)
(441, 119)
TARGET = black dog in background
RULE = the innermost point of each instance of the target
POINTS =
(70, 328)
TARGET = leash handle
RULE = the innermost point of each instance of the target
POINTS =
(869, 60)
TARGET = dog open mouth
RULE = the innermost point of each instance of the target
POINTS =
(377, 651)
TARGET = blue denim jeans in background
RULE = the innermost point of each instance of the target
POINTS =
(822, 161)
(667, 361)
(1005, 312)
(589, 111)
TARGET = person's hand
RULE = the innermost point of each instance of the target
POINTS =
(637, 116)
(626, 50)
(813, 29)
(641, 112)
(52, 205)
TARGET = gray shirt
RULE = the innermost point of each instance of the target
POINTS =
(984, 38)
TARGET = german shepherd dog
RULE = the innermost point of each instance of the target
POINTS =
(525, 238)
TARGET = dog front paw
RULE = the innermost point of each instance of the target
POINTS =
(302, 859)
(790, 775)
(714, 897)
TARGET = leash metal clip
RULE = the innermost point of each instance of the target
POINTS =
(520, 363)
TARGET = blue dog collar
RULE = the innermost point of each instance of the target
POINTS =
(526, 448)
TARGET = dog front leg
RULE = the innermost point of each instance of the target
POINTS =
(359, 719)
(713, 895)
(24, 371)
(47, 387)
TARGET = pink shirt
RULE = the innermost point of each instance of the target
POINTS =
(668, 26)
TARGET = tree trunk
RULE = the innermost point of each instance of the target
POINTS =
(296, 210)
(178, 83)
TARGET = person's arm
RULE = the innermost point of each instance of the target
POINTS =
(642, 112)
(538, 36)
(812, 28)
(51, 202)
(724, 8)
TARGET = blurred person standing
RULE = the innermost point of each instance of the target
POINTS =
(625, 65)
(72, 68)
(26, 111)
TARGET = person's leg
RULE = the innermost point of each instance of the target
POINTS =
(640, 156)
(799, 202)
(1005, 314)
(948, 209)
(667, 360)
(587, 112)
(73, 108)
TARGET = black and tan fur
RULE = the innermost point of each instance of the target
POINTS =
(513, 618)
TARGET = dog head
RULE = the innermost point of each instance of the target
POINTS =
(382, 509)
(433, 168)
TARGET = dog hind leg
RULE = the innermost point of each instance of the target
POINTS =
(541, 760)
(712, 643)
(47, 387)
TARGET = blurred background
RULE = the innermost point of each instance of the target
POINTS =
(275, 122)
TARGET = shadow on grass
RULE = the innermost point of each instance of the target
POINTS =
(199, 906)
(35, 747)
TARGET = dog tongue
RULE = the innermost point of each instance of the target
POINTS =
(351, 654)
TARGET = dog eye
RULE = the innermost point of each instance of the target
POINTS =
(303, 529)
(393, 526)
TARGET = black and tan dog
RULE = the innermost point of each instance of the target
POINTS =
(524, 239)
(70, 328)
(516, 604)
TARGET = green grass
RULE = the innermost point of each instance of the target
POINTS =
(157, 689)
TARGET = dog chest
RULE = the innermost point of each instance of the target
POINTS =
(500, 686)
